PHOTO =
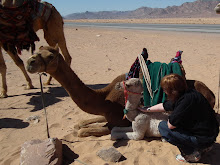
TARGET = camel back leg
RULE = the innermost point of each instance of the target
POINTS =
(20, 64)
(3, 68)
(54, 34)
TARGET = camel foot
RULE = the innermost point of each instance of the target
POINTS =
(47, 83)
(3, 95)
(29, 87)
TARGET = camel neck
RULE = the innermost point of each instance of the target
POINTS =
(86, 98)
(132, 110)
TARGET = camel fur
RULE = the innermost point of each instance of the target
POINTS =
(143, 124)
(53, 34)
(107, 103)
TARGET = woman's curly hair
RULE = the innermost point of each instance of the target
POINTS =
(174, 86)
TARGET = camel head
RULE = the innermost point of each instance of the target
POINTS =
(133, 89)
(132, 85)
(45, 60)
(217, 9)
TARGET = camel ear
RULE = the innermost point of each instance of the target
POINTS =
(138, 83)
(118, 86)
(56, 48)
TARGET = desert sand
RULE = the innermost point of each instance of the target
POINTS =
(98, 56)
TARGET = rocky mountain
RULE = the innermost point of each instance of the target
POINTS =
(198, 8)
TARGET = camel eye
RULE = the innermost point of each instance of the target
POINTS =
(127, 85)
(19, 17)
(51, 57)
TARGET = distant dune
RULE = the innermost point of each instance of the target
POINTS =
(197, 9)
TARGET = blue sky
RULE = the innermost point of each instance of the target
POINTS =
(66, 7)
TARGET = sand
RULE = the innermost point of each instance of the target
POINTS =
(98, 56)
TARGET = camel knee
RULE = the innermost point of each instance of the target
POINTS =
(68, 60)
(138, 136)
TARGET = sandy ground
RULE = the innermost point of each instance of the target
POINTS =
(212, 20)
(98, 56)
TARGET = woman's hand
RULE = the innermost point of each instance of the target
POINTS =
(144, 109)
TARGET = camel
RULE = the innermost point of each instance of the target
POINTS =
(52, 25)
(143, 124)
(217, 9)
(107, 102)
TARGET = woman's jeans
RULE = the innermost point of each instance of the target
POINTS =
(187, 144)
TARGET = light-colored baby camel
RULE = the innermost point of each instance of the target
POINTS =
(143, 124)
(217, 9)
(53, 34)
(106, 102)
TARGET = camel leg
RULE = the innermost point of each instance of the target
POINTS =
(85, 123)
(3, 68)
(57, 37)
(20, 64)
(136, 135)
(120, 132)
(122, 129)
(54, 34)
(95, 131)
(136, 132)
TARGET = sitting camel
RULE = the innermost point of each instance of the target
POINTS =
(217, 9)
(143, 124)
(41, 16)
(106, 102)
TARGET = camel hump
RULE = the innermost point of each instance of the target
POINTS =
(12, 3)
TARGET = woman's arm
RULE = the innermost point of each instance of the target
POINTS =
(156, 108)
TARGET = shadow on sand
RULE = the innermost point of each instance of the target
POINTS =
(12, 123)
(51, 96)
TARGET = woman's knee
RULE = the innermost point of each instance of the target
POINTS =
(162, 125)
(163, 128)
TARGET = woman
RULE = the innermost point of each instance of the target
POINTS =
(192, 126)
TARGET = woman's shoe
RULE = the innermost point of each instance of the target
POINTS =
(194, 157)
(180, 158)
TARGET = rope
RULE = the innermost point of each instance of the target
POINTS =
(43, 102)
(146, 74)
(45, 112)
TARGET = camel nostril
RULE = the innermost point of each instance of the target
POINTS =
(32, 62)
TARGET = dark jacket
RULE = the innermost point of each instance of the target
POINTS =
(193, 114)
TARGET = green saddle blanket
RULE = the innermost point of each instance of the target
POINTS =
(157, 71)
